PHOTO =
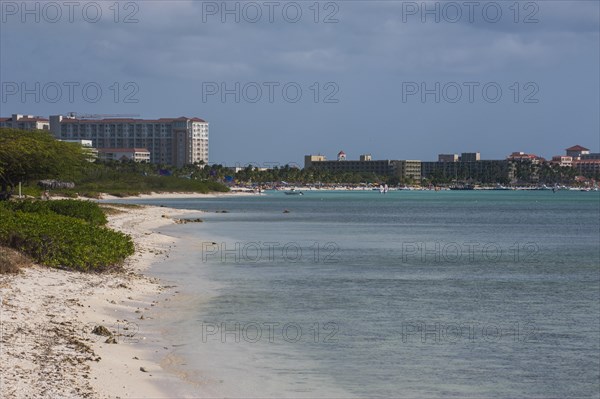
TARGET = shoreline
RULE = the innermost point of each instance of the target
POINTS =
(171, 195)
(47, 316)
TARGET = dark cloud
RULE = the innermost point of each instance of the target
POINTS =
(369, 52)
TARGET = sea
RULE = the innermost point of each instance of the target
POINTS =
(409, 294)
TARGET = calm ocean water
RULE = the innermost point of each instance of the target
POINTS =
(408, 294)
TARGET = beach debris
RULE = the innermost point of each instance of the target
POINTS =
(101, 330)
(143, 370)
(110, 340)
(55, 184)
(135, 358)
(184, 221)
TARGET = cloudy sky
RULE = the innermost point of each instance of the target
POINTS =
(278, 80)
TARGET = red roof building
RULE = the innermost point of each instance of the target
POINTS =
(577, 151)
(521, 156)
(577, 148)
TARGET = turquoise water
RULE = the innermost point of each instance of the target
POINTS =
(408, 294)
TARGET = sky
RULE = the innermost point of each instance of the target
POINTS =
(278, 80)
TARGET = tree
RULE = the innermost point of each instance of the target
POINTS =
(28, 155)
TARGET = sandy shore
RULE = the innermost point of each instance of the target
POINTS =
(47, 347)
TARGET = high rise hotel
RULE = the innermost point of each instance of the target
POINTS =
(171, 141)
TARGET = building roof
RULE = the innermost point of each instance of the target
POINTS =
(341, 153)
(25, 119)
(36, 119)
(123, 150)
(577, 148)
(522, 155)
(130, 120)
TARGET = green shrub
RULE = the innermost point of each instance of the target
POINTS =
(123, 183)
(62, 241)
(85, 210)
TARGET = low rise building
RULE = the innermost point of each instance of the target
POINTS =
(587, 167)
(124, 154)
(403, 169)
(562, 160)
(470, 157)
(522, 156)
(25, 122)
(448, 157)
(408, 169)
(484, 171)
(309, 159)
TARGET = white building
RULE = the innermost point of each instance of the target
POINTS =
(562, 160)
(25, 122)
(124, 154)
(172, 141)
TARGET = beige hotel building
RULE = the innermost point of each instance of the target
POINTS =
(172, 141)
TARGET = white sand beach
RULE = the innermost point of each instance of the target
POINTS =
(47, 348)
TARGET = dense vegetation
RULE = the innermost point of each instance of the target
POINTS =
(290, 174)
(44, 233)
(66, 234)
(131, 178)
(515, 172)
(29, 156)
(84, 210)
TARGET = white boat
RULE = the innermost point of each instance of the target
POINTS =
(293, 192)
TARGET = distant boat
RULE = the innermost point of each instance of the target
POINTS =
(293, 192)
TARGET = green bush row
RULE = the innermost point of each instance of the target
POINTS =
(62, 241)
(123, 184)
(85, 210)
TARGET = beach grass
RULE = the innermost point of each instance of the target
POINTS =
(12, 261)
